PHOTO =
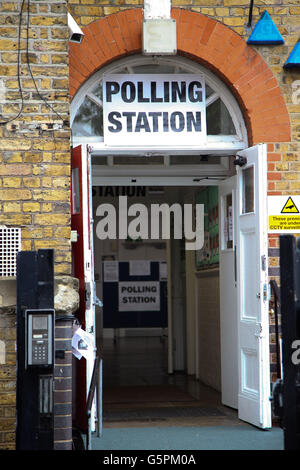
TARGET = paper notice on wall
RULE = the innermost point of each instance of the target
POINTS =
(140, 296)
(83, 344)
(139, 268)
(111, 271)
(225, 230)
(204, 253)
(163, 272)
(230, 223)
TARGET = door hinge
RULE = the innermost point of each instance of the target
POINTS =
(96, 300)
(263, 262)
(265, 292)
(87, 295)
(258, 332)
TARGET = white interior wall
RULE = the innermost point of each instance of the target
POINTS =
(209, 352)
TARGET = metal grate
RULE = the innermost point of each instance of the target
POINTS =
(10, 244)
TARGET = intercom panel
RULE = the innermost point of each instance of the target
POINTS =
(40, 337)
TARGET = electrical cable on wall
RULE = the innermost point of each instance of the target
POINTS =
(250, 14)
(30, 71)
(3, 123)
(65, 121)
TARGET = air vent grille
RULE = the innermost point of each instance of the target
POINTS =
(10, 245)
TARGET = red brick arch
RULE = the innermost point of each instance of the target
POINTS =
(203, 40)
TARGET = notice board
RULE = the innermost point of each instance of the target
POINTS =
(209, 253)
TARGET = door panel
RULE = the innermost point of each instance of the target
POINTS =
(82, 269)
(253, 325)
(228, 293)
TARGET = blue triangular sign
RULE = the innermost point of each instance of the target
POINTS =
(294, 57)
(265, 32)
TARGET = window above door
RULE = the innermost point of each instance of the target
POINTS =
(224, 119)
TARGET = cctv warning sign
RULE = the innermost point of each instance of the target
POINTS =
(289, 207)
(283, 214)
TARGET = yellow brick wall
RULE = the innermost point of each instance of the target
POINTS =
(35, 147)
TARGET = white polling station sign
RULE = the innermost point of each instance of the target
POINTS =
(139, 296)
(154, 109)
(283, 214)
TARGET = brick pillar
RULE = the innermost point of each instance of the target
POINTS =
(63, 383)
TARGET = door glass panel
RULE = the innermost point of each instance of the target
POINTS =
(248, 190)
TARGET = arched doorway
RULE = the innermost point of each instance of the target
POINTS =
(235, 116)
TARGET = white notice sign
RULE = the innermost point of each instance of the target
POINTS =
(139, 296)
(154, 109)
(139, 268)
(111, 271)
(163, 271)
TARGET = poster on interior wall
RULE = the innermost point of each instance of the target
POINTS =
(154, 110)
(139, 296)
(230, 223)
(111, 271)
(205, 252)
(139, 268)
(163, 271)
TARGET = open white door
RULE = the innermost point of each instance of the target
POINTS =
(252, 273)
(228, 293)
